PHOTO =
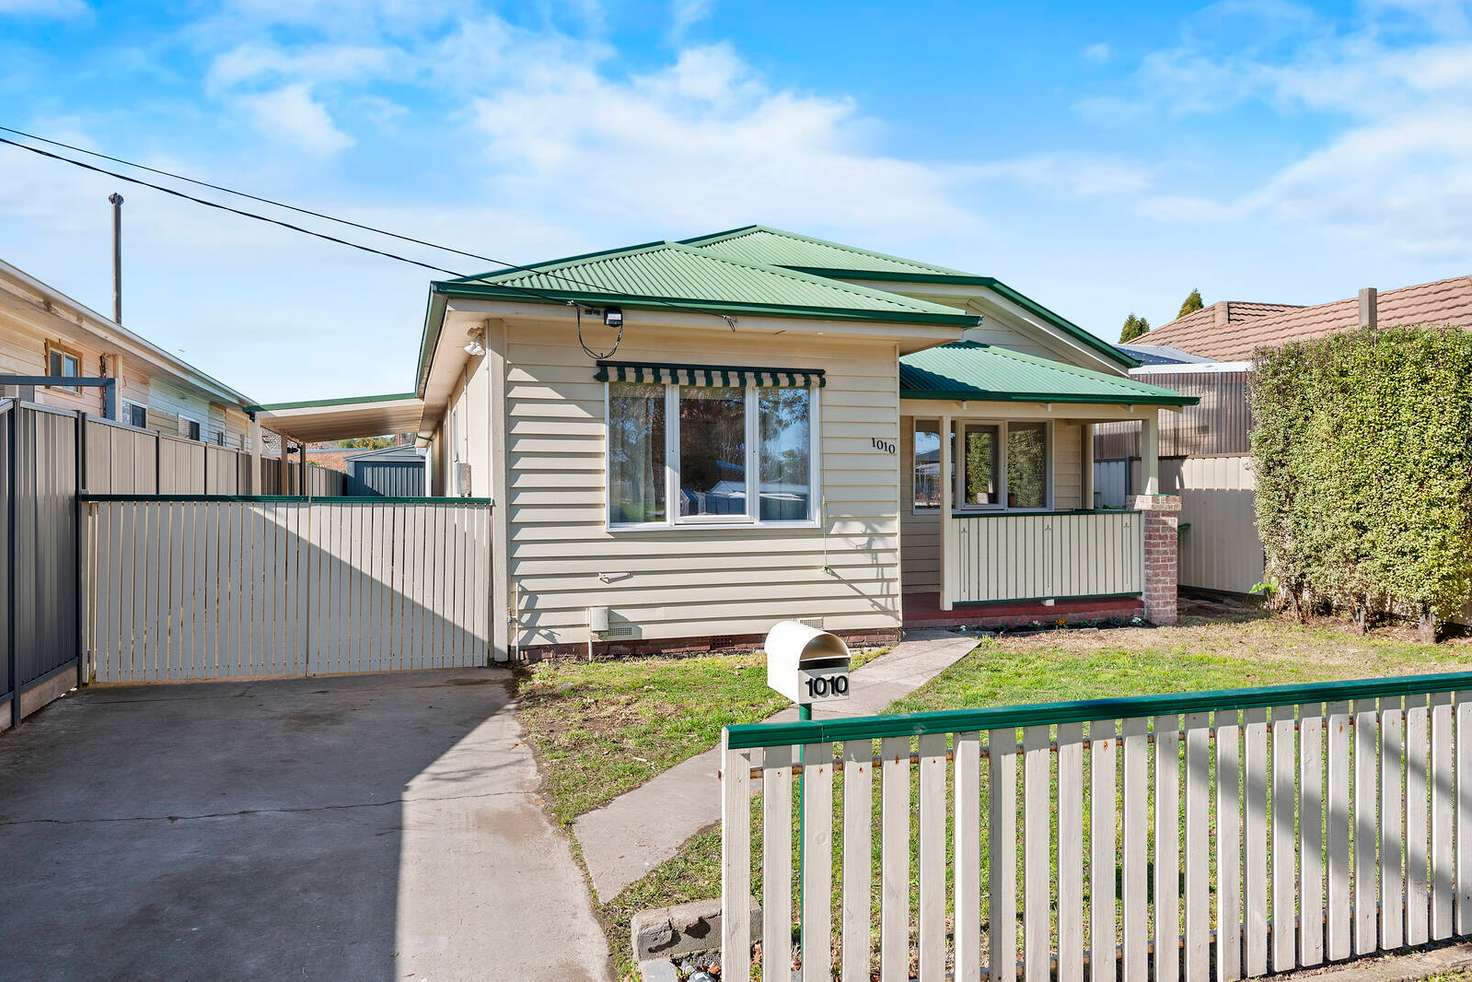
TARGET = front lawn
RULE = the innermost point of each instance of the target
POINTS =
(1082, 664)
(602, 728)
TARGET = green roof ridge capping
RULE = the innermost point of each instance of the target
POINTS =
(881, 266)
(973, 371)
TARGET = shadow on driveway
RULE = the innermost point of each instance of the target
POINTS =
(370, 827)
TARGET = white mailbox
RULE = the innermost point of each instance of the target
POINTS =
(806, 664)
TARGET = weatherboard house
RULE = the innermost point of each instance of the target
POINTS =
(689, 441)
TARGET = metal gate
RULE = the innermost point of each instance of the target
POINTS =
(195, 587)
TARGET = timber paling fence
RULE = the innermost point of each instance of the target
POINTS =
(1205, 835)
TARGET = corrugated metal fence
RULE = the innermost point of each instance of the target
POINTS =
(1220, 549)
(198, 587)
(47, 456)
(39, 556)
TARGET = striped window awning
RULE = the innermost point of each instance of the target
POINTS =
(657, 373)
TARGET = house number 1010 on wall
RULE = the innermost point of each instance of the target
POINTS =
(886, 446)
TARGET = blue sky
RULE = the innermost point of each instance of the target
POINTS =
(1102, 158)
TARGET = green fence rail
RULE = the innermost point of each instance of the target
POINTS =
(751, 735)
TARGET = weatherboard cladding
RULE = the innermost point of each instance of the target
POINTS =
(670, 272)
(971, 370)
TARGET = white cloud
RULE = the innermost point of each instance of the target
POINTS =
(59, 9)
(1098, 53)
(704, 143)
(253, 62)
(1399, 83)
(685, 14)
(1086, 175)
(292, 115)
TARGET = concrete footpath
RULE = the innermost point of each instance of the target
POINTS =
(629, 836)
(373, 828)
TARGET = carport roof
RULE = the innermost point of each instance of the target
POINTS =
(972, 371)
(342, 419)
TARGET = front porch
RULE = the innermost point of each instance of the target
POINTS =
(999, 524)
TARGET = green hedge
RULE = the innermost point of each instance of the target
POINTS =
(1363, 451)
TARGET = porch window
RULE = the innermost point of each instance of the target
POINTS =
(980, 473)
(723, 454)
(1002, 465)
(1027, 465)
(927, 466)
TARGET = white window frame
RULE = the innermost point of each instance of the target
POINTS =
(127, 406)
(932, 425)
(959, 463)
(203, 433)
(750, 520)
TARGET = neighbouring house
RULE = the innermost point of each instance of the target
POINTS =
(688, 441)
(1205, 450)
(43, 332)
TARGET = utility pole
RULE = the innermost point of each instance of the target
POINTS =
(116, 200)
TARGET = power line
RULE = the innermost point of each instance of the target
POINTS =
(515, 267)
(234, 211)
(258, 198)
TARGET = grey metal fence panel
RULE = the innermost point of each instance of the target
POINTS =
(45, 545)
(1112, 483)
(7, 679)
(386, 478)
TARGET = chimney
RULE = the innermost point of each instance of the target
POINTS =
(1368, 303)
(1220, 315)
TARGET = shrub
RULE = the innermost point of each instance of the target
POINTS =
(1363, 451)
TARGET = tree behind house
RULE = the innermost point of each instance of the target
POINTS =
(1134, 326)
(1191, 304)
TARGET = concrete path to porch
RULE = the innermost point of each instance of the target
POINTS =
(375, 828)
(639, 830)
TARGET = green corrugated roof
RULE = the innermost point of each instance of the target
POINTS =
(763, 245)
(777, 247)
(969, 370)
(670, 274)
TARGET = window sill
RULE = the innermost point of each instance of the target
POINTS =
(714, 527)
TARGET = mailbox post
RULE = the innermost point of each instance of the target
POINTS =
(807, 665)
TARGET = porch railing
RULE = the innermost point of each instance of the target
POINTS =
(1206, 835)
(1052, 555)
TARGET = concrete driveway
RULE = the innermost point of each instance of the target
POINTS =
(374, 827)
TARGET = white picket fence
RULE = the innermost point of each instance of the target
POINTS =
(197, 587)
(1284, 827)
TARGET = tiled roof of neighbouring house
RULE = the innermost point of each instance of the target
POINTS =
(1250, 326)
(970, 370)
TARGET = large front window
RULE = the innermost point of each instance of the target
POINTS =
(721, 454)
